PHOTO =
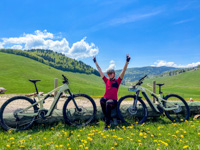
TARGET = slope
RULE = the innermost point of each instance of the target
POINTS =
(186, 84)
(15, 71)
(54, 59)
(133, 74)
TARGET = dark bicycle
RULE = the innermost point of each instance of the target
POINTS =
(132, 109)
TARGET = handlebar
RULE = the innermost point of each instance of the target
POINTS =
(140, 81)
(65, 80)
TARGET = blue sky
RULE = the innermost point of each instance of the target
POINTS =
(152, 32)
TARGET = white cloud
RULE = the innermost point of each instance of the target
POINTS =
(1, 45)
(160, 63)
(45, 40)
(112, 62)
(17, 47)
(82, 49)
(112, 65)
(132, 18)
(183, 21)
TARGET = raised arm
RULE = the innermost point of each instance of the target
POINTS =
(98, 68)
(125, 67)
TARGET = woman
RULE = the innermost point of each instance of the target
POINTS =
(109, 100)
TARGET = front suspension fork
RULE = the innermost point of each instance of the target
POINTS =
(79, 109)
(135, 101)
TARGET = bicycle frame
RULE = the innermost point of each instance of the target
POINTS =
(158, 99)
(40, 101)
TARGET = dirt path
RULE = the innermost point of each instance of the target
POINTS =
(48, 102)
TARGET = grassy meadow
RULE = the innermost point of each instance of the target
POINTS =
(185, 84)
(159, 135)
(16, 70)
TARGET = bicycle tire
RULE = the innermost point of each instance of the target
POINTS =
(182, 113)
(127, 114)
(79, 118)
(8, 118)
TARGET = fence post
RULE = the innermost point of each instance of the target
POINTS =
(154, 90)
(55, 86)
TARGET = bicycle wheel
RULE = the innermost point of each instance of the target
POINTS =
(8, 113)
(81, 117)
(128, 114)
(180, 114)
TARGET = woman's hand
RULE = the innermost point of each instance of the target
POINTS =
(94, 59)
(128, 58)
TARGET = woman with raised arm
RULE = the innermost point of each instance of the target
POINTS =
(109, 100)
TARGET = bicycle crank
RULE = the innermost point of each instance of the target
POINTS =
(16, 112)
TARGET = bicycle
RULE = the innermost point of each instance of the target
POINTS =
(131, 109)
(20, 112)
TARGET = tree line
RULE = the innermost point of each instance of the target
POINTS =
(176, 72)
(54, 59)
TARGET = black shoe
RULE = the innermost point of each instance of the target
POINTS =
(107, 127)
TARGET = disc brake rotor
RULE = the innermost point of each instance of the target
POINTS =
(132, 111)
(81, 112)
(178, 110)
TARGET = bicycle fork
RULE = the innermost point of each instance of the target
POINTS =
(79, 109)
(135, 101)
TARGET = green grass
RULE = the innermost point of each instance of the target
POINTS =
(16, 70)
(185, 84)
(162, 134)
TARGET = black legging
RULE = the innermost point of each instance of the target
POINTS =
(107, 105)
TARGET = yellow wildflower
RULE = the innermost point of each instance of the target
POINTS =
(7, 145)
(12, 138)
(186, 146)
(140, 134)
(174, 136)
(22, 146)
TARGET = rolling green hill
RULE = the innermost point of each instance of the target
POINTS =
(15, 71)
(54, 59)
(133, 74)
(186, 84)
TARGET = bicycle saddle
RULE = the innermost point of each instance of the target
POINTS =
(34, 81)
(160, 84)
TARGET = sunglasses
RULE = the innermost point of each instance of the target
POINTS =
(110, 73)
